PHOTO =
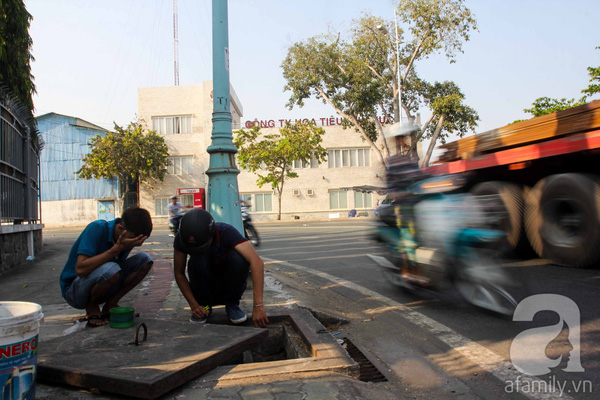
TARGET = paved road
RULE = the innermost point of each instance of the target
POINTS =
(340, 249)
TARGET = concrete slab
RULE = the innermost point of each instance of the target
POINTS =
(173, 354)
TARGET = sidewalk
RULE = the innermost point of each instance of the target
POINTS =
(157, 297)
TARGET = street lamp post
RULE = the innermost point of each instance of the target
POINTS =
(398, 115)
(223, 194)
(398, 70)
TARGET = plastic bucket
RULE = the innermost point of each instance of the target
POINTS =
(121, 317)
(19, 329)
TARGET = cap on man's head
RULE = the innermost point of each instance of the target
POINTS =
(173, 197)
(196, 231)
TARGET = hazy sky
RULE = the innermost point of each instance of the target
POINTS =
(91, 56)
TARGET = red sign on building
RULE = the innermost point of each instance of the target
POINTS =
(198, 196)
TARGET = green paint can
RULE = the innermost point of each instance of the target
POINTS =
(121, 317)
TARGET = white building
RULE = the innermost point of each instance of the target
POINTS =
(183, 115)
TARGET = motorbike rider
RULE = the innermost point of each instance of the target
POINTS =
(402, 172)
(174, 209)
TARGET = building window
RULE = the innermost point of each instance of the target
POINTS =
(160, 206)
(312, 163)
(338, 199)
(362, 200)
(345, 158)
(180, 165)
(260, 202)
(172, 125)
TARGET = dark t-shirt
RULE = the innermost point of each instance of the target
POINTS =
(226, 238)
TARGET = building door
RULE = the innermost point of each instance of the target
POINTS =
(106, 210)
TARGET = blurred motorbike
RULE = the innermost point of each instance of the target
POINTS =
(174, 221)
(249, 229)
(437, 239)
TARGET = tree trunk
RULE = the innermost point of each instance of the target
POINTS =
(279, 208)
(434, 138)
(124, 184)
(280, 190)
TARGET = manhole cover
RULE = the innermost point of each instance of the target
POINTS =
(173, 354)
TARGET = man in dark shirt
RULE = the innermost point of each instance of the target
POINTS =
(220, 258)
(98, 271)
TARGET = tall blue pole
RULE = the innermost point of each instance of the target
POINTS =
(223, 194)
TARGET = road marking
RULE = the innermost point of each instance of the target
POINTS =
(476, 353)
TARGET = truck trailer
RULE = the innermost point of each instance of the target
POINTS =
(545, 175)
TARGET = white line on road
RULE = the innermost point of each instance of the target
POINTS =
(476, 353)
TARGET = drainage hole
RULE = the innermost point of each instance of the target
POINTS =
(368, 372)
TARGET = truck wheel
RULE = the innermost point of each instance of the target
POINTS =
(562, 219)
(506, 214)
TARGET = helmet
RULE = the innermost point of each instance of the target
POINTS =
(196, 230)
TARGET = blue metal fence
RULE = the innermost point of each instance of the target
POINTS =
(19, 164)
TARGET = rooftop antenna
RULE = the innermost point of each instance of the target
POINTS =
(176, 42)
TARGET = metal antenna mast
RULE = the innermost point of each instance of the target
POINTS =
(176, 42)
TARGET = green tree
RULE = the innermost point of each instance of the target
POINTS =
(15, 51)
(275, 153)
(357, 76)
(546, 105)
(594, 86)
(452, 115)
(129, 154)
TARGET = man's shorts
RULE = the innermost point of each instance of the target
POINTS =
(78, 294)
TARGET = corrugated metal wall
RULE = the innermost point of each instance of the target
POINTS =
(65, 146)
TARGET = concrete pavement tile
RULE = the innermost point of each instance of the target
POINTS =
(257, 392)
(320, 390)
(289, 396)
(230, 392)
(289, 390)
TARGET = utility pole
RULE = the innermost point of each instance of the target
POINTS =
(176, 41)
(400, 83)
(223, 194)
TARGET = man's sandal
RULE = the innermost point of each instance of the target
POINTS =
(98, 317)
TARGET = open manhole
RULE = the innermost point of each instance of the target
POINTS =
(283, 343)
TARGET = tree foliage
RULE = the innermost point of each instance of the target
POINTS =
(594, 86)
(271, 156)
(452, 115)
(129, 154)
(15, 50)
(546, 105)
(357, 74)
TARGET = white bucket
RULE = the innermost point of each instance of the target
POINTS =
(19, 329)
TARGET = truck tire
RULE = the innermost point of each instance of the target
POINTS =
(562, 219)
(507, 216)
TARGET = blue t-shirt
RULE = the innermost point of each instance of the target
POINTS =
(95, 239)
(226, 238)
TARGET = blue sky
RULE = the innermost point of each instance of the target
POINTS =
(91, 56)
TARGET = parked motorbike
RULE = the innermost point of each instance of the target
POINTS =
(437, 239)
(249, 229)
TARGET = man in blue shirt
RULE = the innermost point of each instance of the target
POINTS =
(98, 271)
(220, 259)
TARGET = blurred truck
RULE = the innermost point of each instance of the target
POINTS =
(544, 174)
